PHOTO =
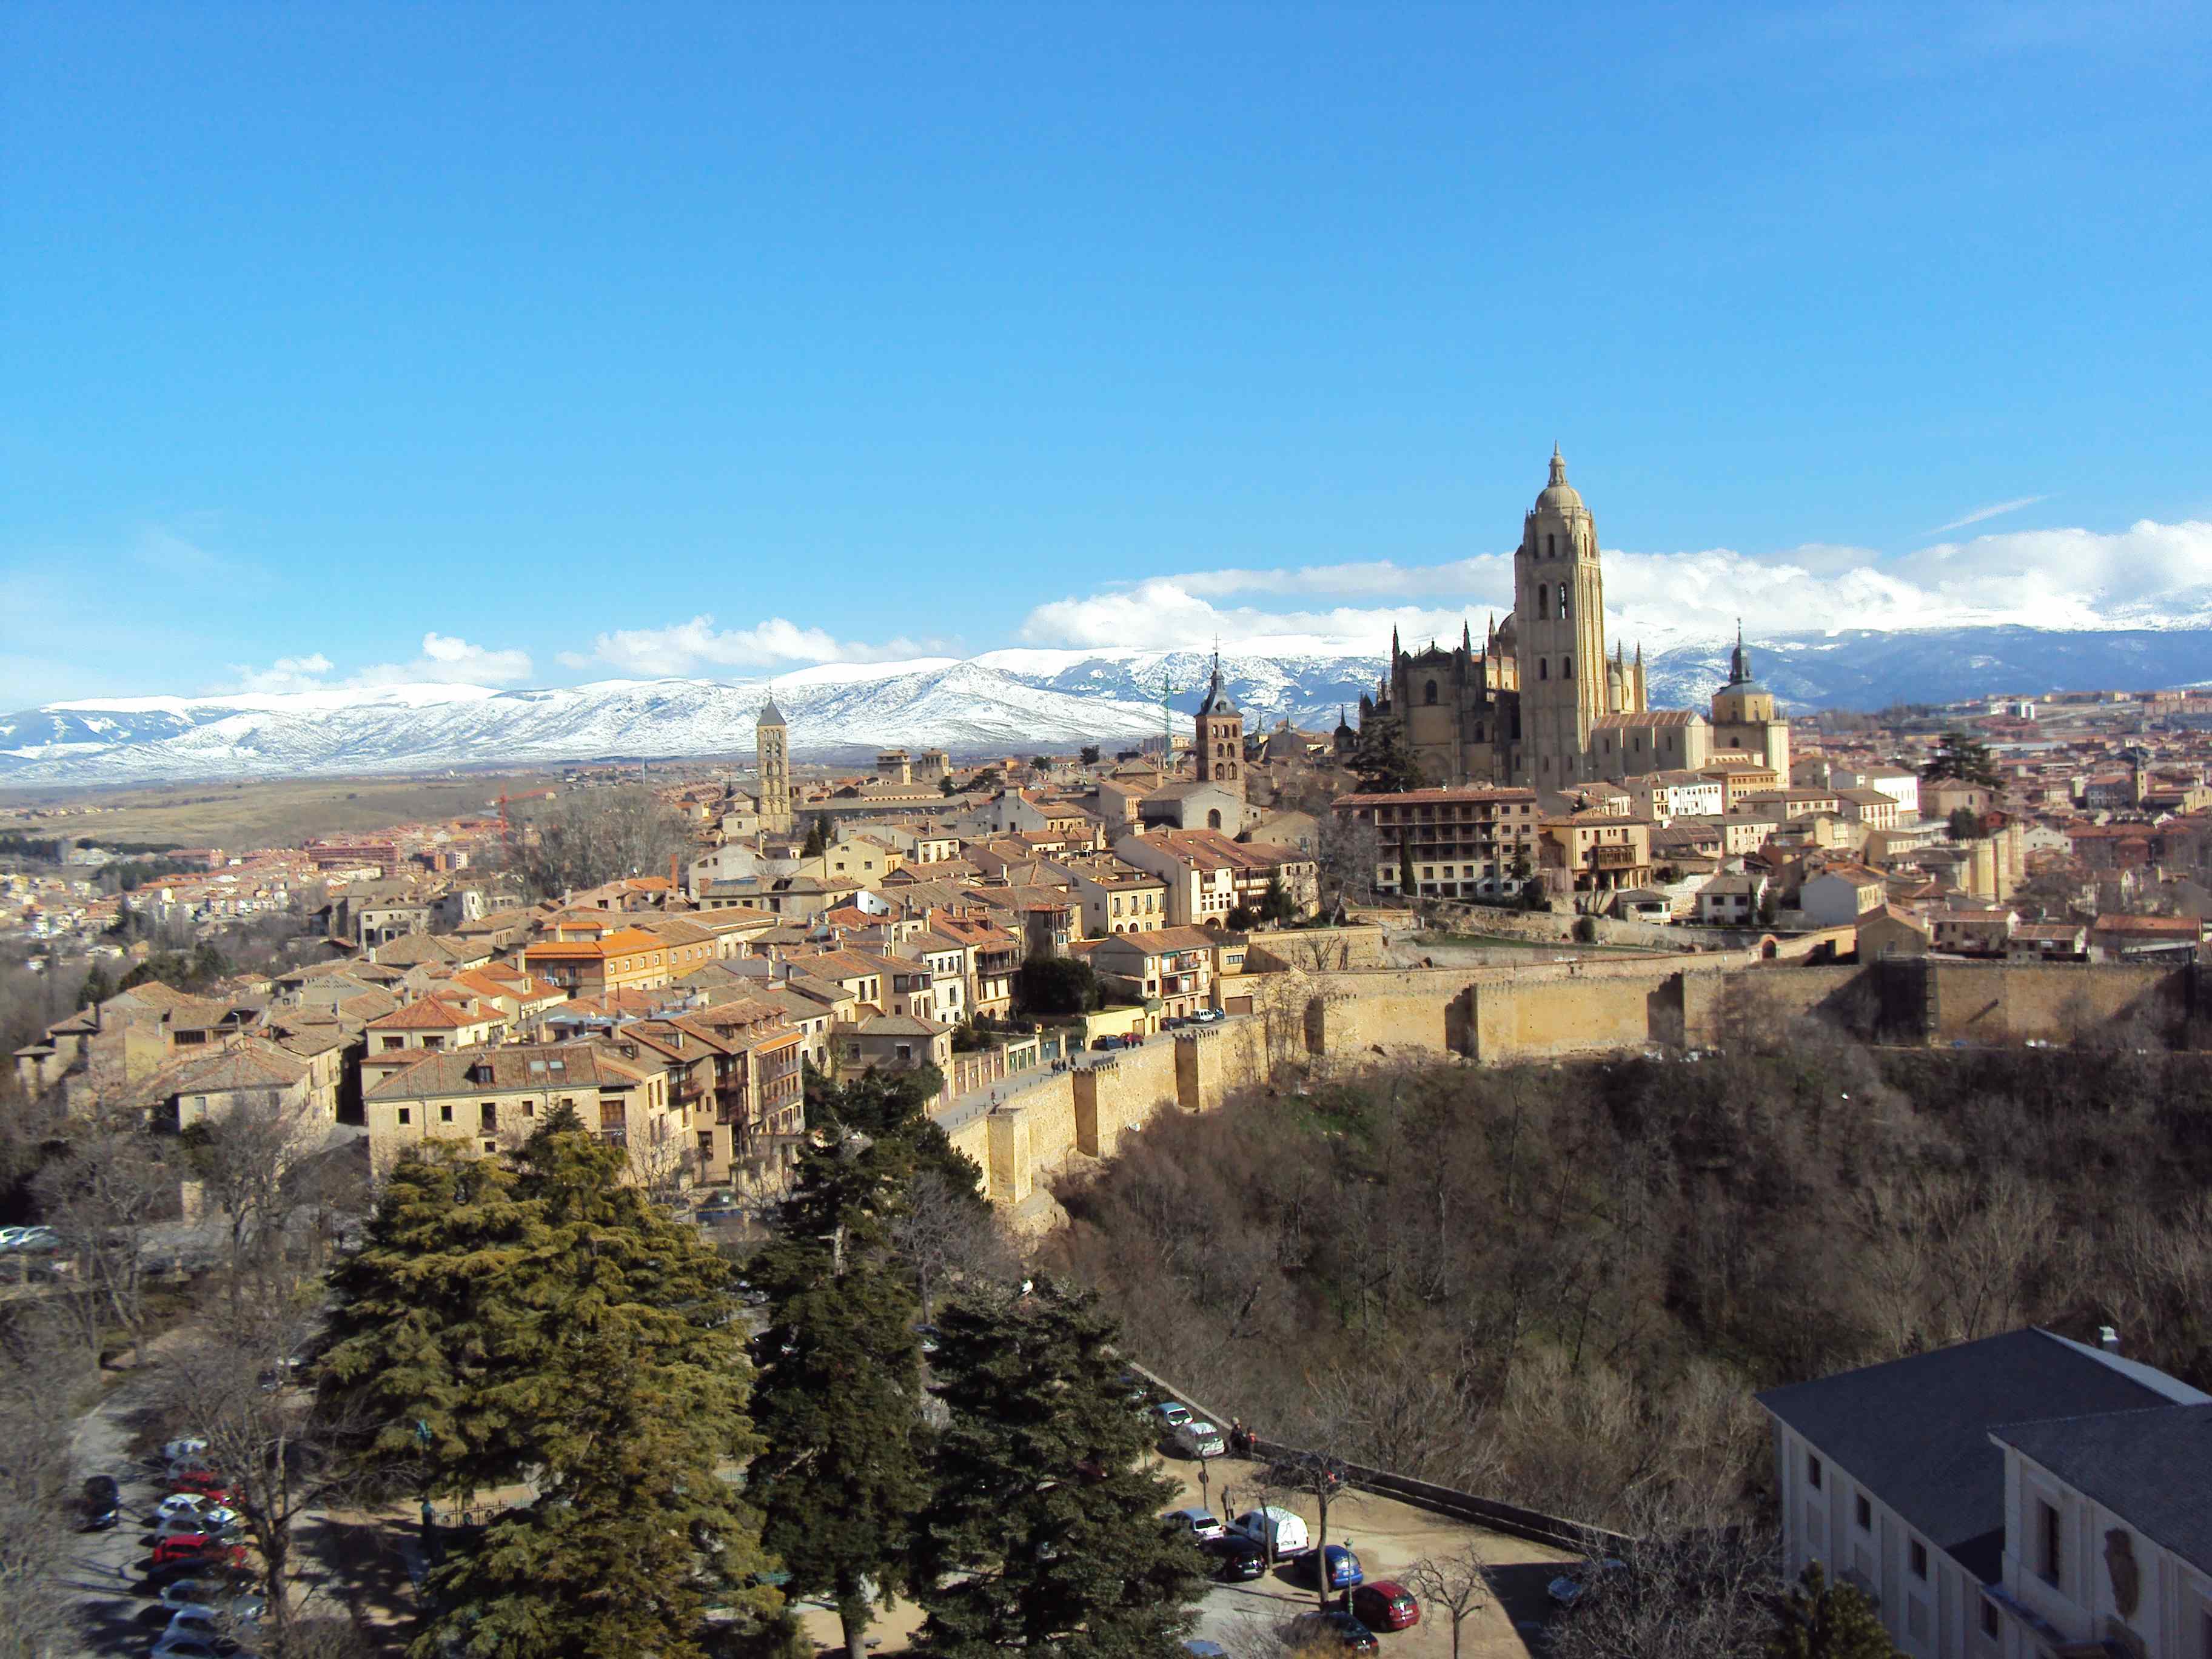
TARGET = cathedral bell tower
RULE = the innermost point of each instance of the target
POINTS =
(1559, 593)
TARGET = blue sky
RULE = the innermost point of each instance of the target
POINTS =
(509, 343)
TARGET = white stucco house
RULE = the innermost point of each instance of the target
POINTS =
(2022, 1496)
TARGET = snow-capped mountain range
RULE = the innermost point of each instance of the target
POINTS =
(1011, 702)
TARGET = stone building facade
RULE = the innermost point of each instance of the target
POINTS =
(1540, 705)
(772, 739)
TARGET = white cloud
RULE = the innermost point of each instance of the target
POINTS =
(2150, 575)
(285, 674)
(1996, 512)
(447, 659)
(683, 648)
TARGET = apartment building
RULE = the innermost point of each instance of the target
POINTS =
(1173, 966)
(1467, 842)
(490, 1100)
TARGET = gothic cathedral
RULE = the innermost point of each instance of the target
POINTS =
(1540, 705)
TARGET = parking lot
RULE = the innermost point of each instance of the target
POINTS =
(1387, 1535)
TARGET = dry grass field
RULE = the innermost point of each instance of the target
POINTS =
(241, 817)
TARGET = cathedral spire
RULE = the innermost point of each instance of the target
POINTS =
(1739, 660)
(1558, 465)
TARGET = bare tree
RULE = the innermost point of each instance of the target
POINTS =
(38, 1366)
(1346, 852)
(589, 837)
(1692, 1584)
(233, 1387)
(943, 1236)
(109, 1186)
(260, 1168)
(1458, 1583)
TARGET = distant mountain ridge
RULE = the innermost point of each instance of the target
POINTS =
(1010, 702)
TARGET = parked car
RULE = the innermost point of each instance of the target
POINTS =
(1109, 1041)
(1208, 1016)
(1199, 1648)
(216, 1517)
(1172, 1414)
(1571, 1586)
(1200, 1524)
(1339, 1564)
(181, 1503)
(187, 1448)
(102, 1501)
(1237, 1559)
(1200, 1438)
(1273, 1528)
(198, 1548)
(1315, 1630)
(197, 1591)
(1386, 1604)
(32, 1238)
(206, 1482)
(173, 1645)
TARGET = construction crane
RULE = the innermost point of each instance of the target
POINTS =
(506, 829)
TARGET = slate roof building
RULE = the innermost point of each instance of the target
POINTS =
(2022, 1496)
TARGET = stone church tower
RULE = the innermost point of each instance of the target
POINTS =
(774, 741)
(1220, 739)
(1559, 603)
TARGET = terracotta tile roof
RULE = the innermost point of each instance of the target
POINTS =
(510, 1070)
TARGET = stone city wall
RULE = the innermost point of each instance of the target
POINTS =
(1589, 1006)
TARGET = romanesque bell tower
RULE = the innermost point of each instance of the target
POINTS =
(775, 745)
(1221, 737)
(1558, 606)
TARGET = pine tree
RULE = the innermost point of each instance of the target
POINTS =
(546, 1323)
(838, 1399)
(1821, 1620)
(1961, 756)
(882, 1103)
(1383, 762)
(1276, 904)
(1041, 1532)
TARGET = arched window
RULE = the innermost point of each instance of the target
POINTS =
(1566, 603)
(1566, 668)
(1432, 692)
(1478, 731)
(1551, 546)
(1213, 817)
(1543, 602)
(1543, 668)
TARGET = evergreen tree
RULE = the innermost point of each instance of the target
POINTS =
(1383, 762)
(1821, 1620)
(1960, 756)
(838, 1399)
(546, 1323)
(818, 838)
(1409, 890)
(1276, 904)
(882, 1103)
(97, 988)
(1042, 1529)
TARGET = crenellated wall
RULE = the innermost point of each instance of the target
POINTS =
(1588, 1007)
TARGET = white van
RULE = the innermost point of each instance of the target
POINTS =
(1274, 1529)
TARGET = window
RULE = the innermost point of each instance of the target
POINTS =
(1550, 547)
(490, 1115)
(2049, 1553)
(1543, 602)
(1566, 668)
(1916, 1555)
(1566, 603)
(445, 1115)
(1432, 692)
(491, 1146)
(405, 1117)
(1989, 1624)
(1543, 668)
(1862, 1511)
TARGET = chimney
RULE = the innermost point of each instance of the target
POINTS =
(2108, 1339)
(674, 883)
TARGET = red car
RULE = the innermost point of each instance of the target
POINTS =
(206, 1482)
(197, 1546)
(1386, 1604)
